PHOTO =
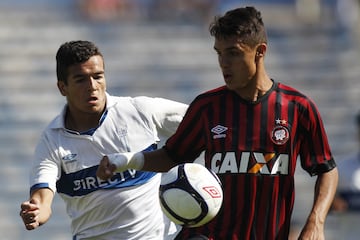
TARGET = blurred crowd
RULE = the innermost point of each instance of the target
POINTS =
(347, 12)
(184, 10)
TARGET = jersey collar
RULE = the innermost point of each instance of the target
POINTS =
(59, 121)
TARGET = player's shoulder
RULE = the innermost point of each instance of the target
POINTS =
(138, 100)
(149, 105)
(210, 97)
(156, 104)
(294, 95)
(288, 89)
(216, 91)
(213, 94)
(126, 102)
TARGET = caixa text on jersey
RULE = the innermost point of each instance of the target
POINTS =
(250, 162)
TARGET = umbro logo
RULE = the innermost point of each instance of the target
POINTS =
(70, 157)
(219, 131)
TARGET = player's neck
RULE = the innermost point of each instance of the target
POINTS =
(257, 89)
(81, 122)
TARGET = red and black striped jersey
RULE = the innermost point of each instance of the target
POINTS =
(253, 147)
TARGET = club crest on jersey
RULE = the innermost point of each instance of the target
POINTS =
(219, 131)
(280, 133)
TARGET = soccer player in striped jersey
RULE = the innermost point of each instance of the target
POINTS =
(252, 130)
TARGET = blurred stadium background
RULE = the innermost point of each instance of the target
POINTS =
(162, 48)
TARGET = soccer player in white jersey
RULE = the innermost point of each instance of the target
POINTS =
(91, 125)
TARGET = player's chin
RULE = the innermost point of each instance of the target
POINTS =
(230, 86)
(94, 107)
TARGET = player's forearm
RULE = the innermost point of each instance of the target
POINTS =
(325, 190)
(157, 161)
(44, 198)
(154, 161)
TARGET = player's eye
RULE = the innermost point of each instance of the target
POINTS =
(99, 76)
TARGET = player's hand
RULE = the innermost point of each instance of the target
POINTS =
(312, 231)
(106, 169)
(30, 214)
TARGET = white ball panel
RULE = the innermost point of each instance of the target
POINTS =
(182, 203)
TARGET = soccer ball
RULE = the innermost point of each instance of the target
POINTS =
(190, 194)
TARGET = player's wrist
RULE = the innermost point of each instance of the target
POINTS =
(129, 160)
(136, 161)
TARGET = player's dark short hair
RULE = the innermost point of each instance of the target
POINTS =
(73, 52)
(245, 23)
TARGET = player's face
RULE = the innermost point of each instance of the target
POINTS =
(237, 62)
(85, 90)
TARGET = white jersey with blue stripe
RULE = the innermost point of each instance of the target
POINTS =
(127, 205)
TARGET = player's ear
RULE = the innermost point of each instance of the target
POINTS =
(261, 50)
(62, 88)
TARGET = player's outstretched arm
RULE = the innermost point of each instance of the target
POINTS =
(37, 210)
(154, 161)
(119, 162)
(158, 161)
(325, 190)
